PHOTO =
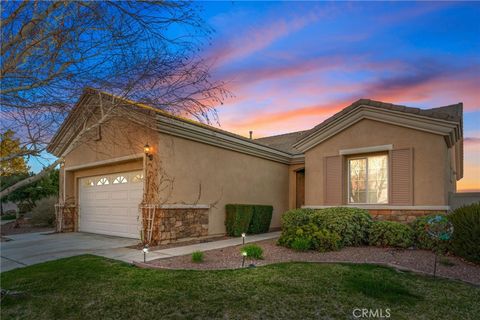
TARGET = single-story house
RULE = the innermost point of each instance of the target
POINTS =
(134, 171)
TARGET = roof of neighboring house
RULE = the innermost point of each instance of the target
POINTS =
(282, 142)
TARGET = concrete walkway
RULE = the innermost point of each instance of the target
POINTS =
(31, 248)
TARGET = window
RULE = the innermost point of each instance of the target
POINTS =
(137, 178)
(103, 181)
(120, 179)
(368, 180)
(88, 183)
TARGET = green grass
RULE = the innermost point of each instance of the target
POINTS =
(89, 287)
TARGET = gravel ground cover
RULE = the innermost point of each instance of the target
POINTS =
(415, 260)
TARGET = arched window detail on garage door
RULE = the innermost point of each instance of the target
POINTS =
(88, 183)
(120, 179)
(103, 181)
(137, 178)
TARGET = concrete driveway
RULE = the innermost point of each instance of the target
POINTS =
(31, 248)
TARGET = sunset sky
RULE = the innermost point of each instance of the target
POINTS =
(292, 65)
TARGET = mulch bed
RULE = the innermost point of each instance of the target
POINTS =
(24, 226)
(415, 260)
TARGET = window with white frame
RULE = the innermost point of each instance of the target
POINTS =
(368, 180)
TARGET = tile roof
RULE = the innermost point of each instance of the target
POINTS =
(282, 142)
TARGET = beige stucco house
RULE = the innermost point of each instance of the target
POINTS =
(396, 161)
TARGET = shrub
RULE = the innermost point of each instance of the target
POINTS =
(253, 251)
(261, 219)
(43, 214)
(324, 240)
(423, 240)
(466, 232)
(301, 244)
(389, 233)
(351, 224)
(291, 221)
(9, 216)
(238, 217)
(197, 256)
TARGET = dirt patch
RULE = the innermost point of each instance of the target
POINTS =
(415, 260)
(23, 226)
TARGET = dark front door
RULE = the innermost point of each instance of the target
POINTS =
(300, 187)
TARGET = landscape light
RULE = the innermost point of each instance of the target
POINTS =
(145, 251)
(244, 255)
(243, 237)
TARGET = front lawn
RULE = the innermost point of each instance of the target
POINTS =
(89, 287)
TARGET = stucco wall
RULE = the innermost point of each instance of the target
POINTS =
(431, 165)
(205, 174)
(119, 138)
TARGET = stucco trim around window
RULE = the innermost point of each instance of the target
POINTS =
(381, 207)
(385, 147)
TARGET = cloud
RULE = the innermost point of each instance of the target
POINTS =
(471, 141)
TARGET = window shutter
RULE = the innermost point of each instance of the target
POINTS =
(333, 180)
(402, 177)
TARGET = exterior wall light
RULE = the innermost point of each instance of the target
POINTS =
(148, 151)
(145, 251)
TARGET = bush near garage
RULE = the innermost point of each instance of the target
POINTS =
(261, 219)
(238, 217)
(43, 214)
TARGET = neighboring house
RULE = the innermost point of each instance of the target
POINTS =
(396, 161)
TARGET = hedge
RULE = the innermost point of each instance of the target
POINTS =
(466, 232)
(391, 234)
(246, 218)
(261, 219)
(238, 217)
(351, 225)
(423, 240)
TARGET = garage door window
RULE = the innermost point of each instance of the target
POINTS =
(103, 181)
(120, 179)
(137, 178)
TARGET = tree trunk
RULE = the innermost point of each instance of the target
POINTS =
(29, 180)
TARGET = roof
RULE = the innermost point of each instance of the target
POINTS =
(282, 142)
(452, 112)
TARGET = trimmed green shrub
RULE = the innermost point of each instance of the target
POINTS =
(324, 240)
(351, 224)
(43, 214)
(9, 216)
(261, 219)
(466, 232)
(392, 234)
(197, 256)
(423, 240)
(238, 217)
(253, 251)
(301, 244)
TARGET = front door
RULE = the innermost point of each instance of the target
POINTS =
(300, 188)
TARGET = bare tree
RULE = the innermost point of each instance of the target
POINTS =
(142, 51)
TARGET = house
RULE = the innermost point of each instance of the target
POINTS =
(134, 171)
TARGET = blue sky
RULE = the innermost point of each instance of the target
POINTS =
(291, 65)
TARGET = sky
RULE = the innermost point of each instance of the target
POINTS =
(291, 65)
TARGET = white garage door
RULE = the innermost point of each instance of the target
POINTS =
(109, 204)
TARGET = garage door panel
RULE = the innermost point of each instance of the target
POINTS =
(110, 208)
